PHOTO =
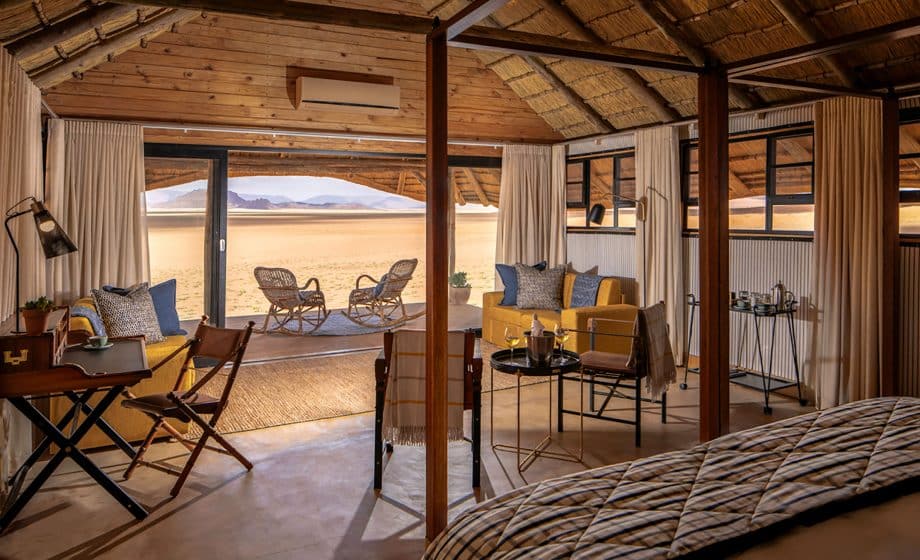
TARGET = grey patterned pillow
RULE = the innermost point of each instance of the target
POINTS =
(539, 289)
(131, 314)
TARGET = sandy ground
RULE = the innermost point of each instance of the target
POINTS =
(334, 248)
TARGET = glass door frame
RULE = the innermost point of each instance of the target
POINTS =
(215, 261)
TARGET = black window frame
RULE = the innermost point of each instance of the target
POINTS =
(616, 189)
(771, 199)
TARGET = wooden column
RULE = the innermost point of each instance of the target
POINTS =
(891, 250)
(714, 279)
(440, 197)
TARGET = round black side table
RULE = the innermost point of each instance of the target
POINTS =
(516, 362)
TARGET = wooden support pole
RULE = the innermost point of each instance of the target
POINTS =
(891, 249)
(437, 255)
(714, 278)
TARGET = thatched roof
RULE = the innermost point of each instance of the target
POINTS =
(230, 69)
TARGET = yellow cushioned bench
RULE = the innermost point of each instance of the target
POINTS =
(609, 305)
(132, 425)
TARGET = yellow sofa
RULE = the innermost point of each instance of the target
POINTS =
(609, 305)
(131, 424)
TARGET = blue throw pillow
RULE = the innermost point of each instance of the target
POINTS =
(94, 319)
(584, 290)
(378, 289)
(510, 280)
(164, 303)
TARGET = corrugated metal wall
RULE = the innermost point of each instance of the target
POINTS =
(614, 255)
(756, 265)
(909, 382)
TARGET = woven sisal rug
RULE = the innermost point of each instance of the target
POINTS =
(303, 389)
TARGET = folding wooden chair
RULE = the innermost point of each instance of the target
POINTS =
(213, 344)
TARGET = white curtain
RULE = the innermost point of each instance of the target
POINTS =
(848, 247)
(20, 177)
(659, 242)
(531, 210)
(95, 178)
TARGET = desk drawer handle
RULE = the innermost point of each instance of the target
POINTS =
(8, 357)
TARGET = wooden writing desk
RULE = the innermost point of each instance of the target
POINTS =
(78, 375)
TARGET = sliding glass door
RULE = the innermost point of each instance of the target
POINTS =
(186, 224)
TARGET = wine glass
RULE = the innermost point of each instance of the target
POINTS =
(562, 336)
(512, 338)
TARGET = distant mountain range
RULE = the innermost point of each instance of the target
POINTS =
(198, 199)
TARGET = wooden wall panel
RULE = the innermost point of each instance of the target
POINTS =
(237, 71)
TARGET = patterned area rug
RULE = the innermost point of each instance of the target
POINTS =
(299, 390)
(337, 324)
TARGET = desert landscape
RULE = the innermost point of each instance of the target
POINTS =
(334, 246)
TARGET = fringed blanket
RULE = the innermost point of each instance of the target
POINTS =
(661, 370)
(728, 491)
(404, 412)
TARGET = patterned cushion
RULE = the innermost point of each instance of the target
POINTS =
(539, 289)
(509, 277)
(718, 493)
(584, 290)
(131, 314)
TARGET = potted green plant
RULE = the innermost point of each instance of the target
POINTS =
(35, 315)
(459, 291)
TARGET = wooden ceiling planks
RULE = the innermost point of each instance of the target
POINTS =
(236, 71)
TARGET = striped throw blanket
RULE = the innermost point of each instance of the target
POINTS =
(653, 322)
(404, 411)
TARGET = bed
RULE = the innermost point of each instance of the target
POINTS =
(707, 501)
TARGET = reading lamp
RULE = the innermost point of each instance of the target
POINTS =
(51, 235)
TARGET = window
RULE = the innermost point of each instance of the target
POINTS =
(910, 178)
(608, 180)
(770, 183)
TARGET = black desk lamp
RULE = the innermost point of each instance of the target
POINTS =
(54, 240)
(596, 215)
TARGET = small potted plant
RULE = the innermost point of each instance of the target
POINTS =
(35, 315)
(459, 292)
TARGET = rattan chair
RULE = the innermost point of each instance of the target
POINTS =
(289, 302)
(381, 305)
(219, 347)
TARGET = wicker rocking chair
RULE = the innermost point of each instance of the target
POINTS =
(381, 305)
(288, 302)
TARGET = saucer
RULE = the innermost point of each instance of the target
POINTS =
(97, 348)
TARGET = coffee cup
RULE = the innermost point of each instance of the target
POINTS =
(98, 341)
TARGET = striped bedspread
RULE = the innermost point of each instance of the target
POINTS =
(687, 502)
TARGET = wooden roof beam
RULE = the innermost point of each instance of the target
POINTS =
(66, 30)
(886, 33)
(477, 187)
(637, 86)
(810, 32)
(96, 55)
(521, 43)
(691, 48)
(301, 11)
(811, 87)
(470, 15)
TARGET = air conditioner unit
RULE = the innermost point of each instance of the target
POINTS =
(376, 97)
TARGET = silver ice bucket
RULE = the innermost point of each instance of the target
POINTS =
(540, 348)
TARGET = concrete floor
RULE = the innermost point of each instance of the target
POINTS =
(310, 494)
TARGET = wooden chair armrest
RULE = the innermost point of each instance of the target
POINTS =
(369, 277)
(307, 285)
